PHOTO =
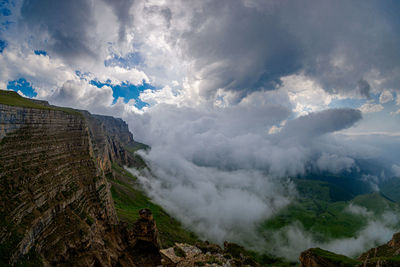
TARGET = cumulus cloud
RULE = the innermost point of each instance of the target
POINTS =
(396, 170)
(386, 96)
(205, 44)
(305, 94)
(334, 163)
(371, 107)
(121, 9)
(253, 52)
(372, 180)
(64, 24)
(364, 88)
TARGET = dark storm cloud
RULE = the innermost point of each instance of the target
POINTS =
(240, 49)
(323, 122)
(243, 46)
(67, 24)
(121, 9)
(364, 87)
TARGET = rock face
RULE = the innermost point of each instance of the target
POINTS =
(205, 254)
(109, 138)
(385, 255)
(316, 257)
(55, 203)
(143, 240)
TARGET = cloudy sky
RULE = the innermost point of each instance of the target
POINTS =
(234, 96)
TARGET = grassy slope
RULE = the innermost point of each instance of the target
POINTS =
(338, 259)
(12, 98)
(129, 199)
(391, 188)
(344, 261)
(319, 213)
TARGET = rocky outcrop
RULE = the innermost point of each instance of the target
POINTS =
(206, 254)
(55, 202)
(384, 256)
(316, 257)
(143, 240)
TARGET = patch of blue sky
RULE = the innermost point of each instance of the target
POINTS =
(4, 3)
(391, 107)
(129, 61)
(82, 75)
(127, 91)
(40, 52)
(22, 85)
(347, 103)
(3, 44)
(5, 7)
(5, 25)
(5, 12)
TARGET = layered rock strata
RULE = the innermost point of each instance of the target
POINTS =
(55, 203)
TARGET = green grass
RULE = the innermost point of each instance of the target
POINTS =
(376, 202)
(318, 213)
(123, 172)
(135, 146)
(322, 190)
(129, 199)
(339, 260)
(12, 98)
(395, 261)
(391, 188)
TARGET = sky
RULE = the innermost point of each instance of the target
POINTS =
(233, 96)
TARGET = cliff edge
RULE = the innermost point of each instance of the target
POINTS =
(55, 204)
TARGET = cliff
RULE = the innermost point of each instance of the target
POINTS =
(55, 204)
(385, 255)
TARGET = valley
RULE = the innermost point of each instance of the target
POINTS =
(68, 199)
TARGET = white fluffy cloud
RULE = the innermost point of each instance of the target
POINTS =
(371, 107)
(305, 94)
(334, 163)
(396, 170)
(386, 96)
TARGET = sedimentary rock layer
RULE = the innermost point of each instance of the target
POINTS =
(55, 202)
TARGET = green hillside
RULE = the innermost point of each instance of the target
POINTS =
(391, 188)
(12, 98)
(318, 210)
(129, 199)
